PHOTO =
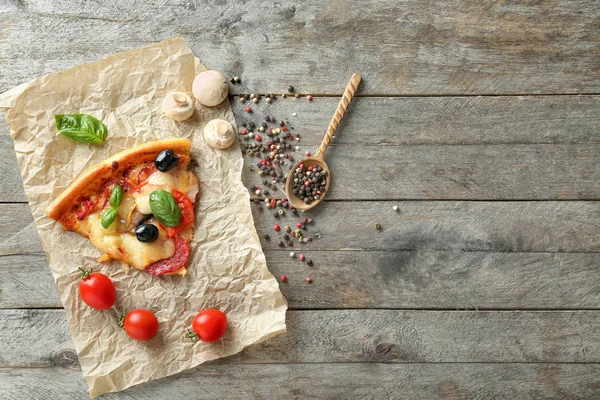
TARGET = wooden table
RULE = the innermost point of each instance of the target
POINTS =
(479, 119)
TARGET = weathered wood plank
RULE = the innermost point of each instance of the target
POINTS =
(545, 149)
(40, 338)
(538, 226)
(416, 47)
(394, 121)
(379, 279)
(329, 381)
(503, 172)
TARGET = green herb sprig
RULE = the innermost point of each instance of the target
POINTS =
(109, 215)
(81, 127)
(165, 208)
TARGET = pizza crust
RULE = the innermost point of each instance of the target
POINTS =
(63, 204)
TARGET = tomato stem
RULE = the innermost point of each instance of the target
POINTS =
(122, 321)
(192, 335)
(84, 273)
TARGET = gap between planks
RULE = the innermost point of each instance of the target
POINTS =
(409, 95)
(458, 310)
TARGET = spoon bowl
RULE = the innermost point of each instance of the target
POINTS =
(319, 157)
(289, 183)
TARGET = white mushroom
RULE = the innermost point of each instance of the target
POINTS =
(210, 88)
(219, 134)
(178, 106)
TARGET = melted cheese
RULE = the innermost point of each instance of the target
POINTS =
(177, 178)
(125, 246)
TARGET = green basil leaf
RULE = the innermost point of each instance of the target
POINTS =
(108, 217)
(165, 208)
(81, 127)
(116, 197)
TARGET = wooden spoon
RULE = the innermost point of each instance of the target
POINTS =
(318, 158)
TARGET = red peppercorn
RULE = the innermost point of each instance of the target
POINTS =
(283, 278)
(276, 228)
(269, 143)
(299, 224)
(258, 138)
(308, 280)
(301, 166)
(302, 257)
(248, 110)
(269, 164)
(287, 155)
(309, 97)
(284, 129)
(263, 161)
(244, 132)
(307, 154)
(307, 183)
(310, 167)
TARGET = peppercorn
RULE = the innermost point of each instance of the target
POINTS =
(286, 236)
(255, 100)
(287, 227)
(302, 257)
(248, 110)
(276, 214)
(276, 228)
(308, 280)
(281, 244)
(377, 226)
(309, 263)
(309, 97)
(242, 100)
(281, 212)
(290, 89)
(395, 208)
(297, 95)
(290, 244)
(268, 100)
(292, 254)
(267, 237)
(283, 278)
(237, 79)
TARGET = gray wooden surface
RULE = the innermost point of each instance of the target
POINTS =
(479, 120)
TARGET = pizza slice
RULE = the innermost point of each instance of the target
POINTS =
(137, 207)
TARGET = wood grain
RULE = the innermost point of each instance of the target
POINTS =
(456, 148)
(503, 172)
(416, 47)
(554, 226)
(384, 279)
(404, 121)
(40, 338)
(328, 381)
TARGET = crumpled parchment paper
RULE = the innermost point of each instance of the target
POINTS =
(227, 268)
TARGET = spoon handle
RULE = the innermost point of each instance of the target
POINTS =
(339, 112)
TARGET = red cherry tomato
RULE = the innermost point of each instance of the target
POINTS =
(97, 290)
(141, 324)
(210, 325)
(187, 213)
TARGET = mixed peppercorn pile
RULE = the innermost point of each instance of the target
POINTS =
(272, 143)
